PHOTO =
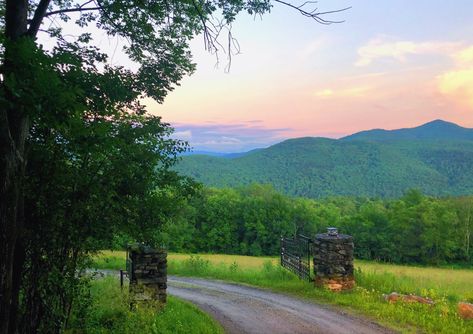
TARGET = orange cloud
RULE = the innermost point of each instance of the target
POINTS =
(360, 91)
(458, 82)
(324, 93)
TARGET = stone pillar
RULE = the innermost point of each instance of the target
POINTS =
(147, 270)
(333, 260)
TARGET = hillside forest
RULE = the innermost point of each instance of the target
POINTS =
(435, 158)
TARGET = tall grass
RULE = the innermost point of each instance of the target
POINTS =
(455, 284)
(452, 283)
(445, 286)
(109, 312)
(106, 259)
(116, 259)
(366, 298)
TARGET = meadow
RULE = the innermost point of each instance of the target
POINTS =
(455, 283)
(445, 286)
(109, 312)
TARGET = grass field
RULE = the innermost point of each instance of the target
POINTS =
(445, 286)
(455, 283)
(109, 312)
(116, 259)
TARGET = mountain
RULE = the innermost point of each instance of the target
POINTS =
(436, 130)
(219, 154)
(436, 158)
(210, 153)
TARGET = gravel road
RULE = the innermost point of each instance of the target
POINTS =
(242, 309)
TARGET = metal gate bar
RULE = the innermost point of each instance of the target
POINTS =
(296, 255)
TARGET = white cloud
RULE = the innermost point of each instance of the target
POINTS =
(230, 140)
(312, 47)
(237, 137)
(384, 47)
(183, 135)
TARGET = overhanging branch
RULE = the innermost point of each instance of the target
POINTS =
(41, 12)
(313, 13)
(38, 16)
(71, 10)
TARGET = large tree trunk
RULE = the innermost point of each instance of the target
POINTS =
(14, 127)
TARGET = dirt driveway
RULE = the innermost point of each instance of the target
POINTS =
(242, 309)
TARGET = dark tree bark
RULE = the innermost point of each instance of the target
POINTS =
(14, 127)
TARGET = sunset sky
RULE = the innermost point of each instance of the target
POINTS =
(391, 64)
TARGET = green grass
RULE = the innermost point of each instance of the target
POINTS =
(445, 286)
(109, 312)
(455, 284)
(116, 259)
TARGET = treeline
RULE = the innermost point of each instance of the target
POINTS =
(250, 220)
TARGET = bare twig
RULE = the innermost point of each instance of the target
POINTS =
(213, 28)
(313, 13)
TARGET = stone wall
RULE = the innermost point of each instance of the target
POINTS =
(333, 260)
(147, 270)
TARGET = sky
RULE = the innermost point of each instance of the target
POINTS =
(390, 64)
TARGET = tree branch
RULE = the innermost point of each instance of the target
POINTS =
(71, 10)
(313, 14)
(38, 17)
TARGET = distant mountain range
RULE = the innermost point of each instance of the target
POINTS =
(436, 158)
(218, 154)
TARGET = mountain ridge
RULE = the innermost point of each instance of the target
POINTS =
(436, 157)
(436, 129)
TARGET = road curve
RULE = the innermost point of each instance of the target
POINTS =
(243, 309)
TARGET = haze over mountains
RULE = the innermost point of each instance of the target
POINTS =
(436, 158)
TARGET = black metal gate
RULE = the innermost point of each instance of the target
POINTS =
(296, 254)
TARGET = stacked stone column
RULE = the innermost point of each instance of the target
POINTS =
(147, 270)
(333, 260)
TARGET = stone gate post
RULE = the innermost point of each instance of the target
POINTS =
(333, 260)
(147, 270)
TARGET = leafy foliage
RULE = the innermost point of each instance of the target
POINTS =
(250, 220)
(97, 165)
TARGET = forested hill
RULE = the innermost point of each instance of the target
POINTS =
(435, 130)
(436, 158)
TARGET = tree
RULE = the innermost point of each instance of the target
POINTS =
(464, 208)
(157, 32)
(102, 168)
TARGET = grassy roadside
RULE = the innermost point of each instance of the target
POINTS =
(445, 286)
(109, 312)
(116, 259)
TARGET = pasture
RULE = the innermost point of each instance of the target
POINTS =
(445, 286)
(453, 283)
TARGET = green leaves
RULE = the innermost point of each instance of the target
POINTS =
(250, 220)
